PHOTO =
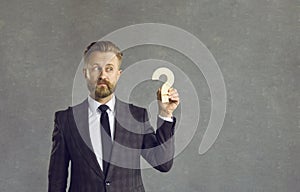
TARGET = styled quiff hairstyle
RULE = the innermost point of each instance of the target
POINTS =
(102, 46)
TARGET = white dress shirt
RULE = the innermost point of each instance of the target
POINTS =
(94, 124)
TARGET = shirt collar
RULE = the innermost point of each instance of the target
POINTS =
(93, 104)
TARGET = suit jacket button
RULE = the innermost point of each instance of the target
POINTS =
(107, 183)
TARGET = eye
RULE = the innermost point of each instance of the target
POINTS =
(96, 68)
(109, 69)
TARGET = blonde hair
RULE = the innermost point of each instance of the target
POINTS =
(102, 46)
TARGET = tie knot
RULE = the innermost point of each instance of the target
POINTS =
(103, 108)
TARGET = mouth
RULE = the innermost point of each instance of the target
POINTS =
(102, 83)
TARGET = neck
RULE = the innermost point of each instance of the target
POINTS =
(103, 100)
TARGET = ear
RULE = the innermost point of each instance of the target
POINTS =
(85, 73)
(119, 73)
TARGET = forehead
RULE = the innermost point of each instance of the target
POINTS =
(102, 58)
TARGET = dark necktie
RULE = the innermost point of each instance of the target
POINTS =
(105, 137)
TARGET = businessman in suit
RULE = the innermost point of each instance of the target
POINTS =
(103, 137)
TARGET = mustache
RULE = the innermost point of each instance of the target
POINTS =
(103, 81)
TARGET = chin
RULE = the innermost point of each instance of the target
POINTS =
(102, 93)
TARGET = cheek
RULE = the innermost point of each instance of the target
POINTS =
(91, 81)
(118, 74)
(116, 78)
(91, 77)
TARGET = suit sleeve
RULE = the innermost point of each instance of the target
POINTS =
(158, 147)
(59, 159)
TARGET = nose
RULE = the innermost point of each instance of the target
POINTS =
(102, 74)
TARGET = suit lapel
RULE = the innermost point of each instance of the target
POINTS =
(82, 136)
(123, 155)
(115, 159)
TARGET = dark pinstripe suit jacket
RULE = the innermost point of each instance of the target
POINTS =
(134, 137)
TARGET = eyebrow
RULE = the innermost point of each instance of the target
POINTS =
(108, 64)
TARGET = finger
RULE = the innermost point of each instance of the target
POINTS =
(174, 98)
(158, 94)
(158, 90)
(174, 94)
(172, 91)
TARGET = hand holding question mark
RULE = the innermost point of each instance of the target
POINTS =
(167, 85)
(169, 95)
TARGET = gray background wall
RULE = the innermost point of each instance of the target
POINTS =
(256, 44)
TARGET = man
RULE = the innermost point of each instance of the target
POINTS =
(103, 137)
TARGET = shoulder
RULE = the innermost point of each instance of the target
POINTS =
(60, 115)
(120, 103)
(129, 108)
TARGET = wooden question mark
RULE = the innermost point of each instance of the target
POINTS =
(167, 85)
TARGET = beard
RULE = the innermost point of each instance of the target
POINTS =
(104, 90)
